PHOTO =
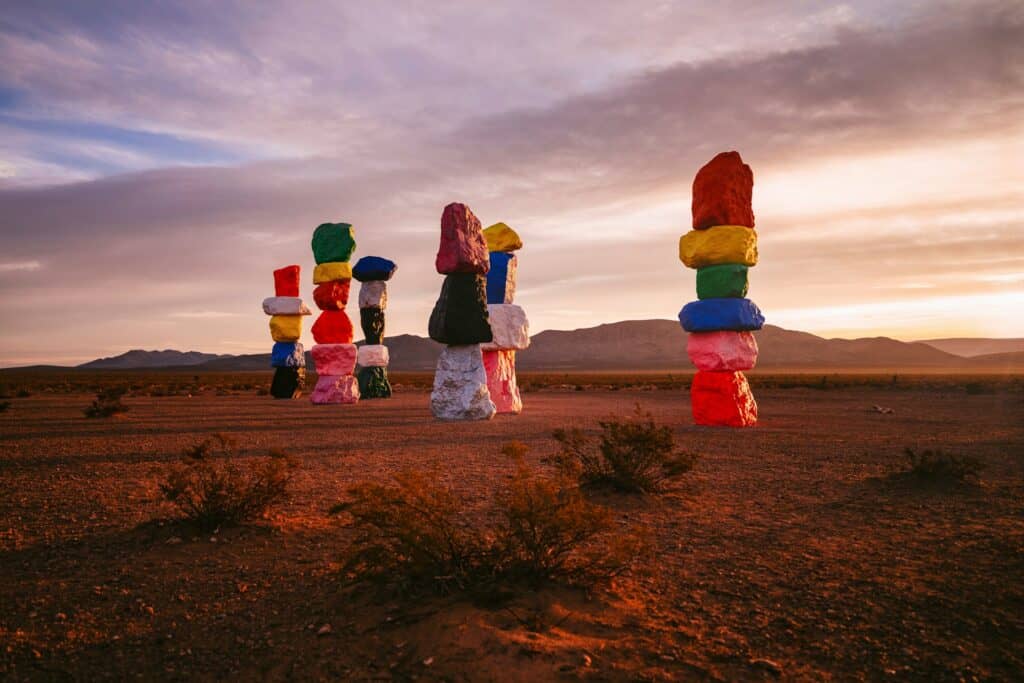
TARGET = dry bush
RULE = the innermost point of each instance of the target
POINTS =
(4, 405)
(935, 465)
(107, 403)
(634, 455)
(211, 489)
(416, 533)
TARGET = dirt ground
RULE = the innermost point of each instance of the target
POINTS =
(792, 550)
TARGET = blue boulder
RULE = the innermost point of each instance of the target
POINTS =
(370, 268)
(498, 277)
(710, 315)
(287, 355)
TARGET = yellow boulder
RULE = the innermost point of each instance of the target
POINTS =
(500, 237)
(286, 328)
(332, 270)
(717, 245)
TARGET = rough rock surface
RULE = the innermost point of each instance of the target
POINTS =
(722, 351)
(725, 281)
(286, 281)
(709, 315)
(722, 192)
(373, 356)
(333, 242)
(287, 355)
(460, 314)
(370, 268)
(509, 327)
(501, 278)
(500, 237)
(285, 305)
(463, 248)
(372, 321)
(285, 328)
(460, 385)
(373, 383)
(335, 270)
(335, 389)
(334, 359)
(717, 245)
(288, 382)
(722, 399)
(332, 296)
(373, 293)
(332, 327)
(501, 380)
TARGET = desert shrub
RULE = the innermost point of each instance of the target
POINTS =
(107, 403)
(212, 489)
(633, 455)
(415, 533)
(23, 393)
(935, 465)
(4, 405)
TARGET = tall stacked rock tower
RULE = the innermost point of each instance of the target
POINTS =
(722, 246)
(334, 353)
(460, 320)
(508, 322)
(288, 358)
(373, 273)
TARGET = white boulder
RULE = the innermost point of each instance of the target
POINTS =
(460, 385)
(509, 327)
(285, 305)
(373, 356)
(373, 294)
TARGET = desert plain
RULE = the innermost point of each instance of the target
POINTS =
(796, 550)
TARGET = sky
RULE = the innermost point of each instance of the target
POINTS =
(159, 160)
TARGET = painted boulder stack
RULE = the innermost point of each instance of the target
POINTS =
(334, 354)
(722, 246)
(373, 273)
(287, 357)
(460, 319)
(509, 326)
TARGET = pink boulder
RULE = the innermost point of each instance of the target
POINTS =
(501, 380)
(722, 351)
(334, 359)
(463, 247)
(722, 192)
(335, 389)
(722, 399)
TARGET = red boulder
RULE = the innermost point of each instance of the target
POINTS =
(722, 399)
(463, 247)
(333, 327)
(286, 281)
(722, 193)
(332, 295)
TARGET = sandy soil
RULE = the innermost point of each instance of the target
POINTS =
(791, 551)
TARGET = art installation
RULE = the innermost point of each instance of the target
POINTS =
(721, 247)
(460, 319)
(334, 354)
(287, 357)
(509, 326)
(373, 273)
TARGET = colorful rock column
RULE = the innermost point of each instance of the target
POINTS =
(334, 354)
(460, 319)
(509, 325)
(373, 273)
(288, 358)
(722, 246)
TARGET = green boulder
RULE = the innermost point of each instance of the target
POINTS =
(726, 281)
(333, 243)
(373, 383)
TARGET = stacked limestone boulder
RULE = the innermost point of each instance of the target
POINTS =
(334, 354)
(373, 273)
(287, 357)
(460, 319)
(509, 326)
(721, 247)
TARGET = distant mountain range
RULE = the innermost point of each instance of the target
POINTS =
(647, 345)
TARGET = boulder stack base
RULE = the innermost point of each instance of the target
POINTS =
(722, 246)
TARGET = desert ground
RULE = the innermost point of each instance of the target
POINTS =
(796, 550)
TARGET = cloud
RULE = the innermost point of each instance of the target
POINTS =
(15, 266)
